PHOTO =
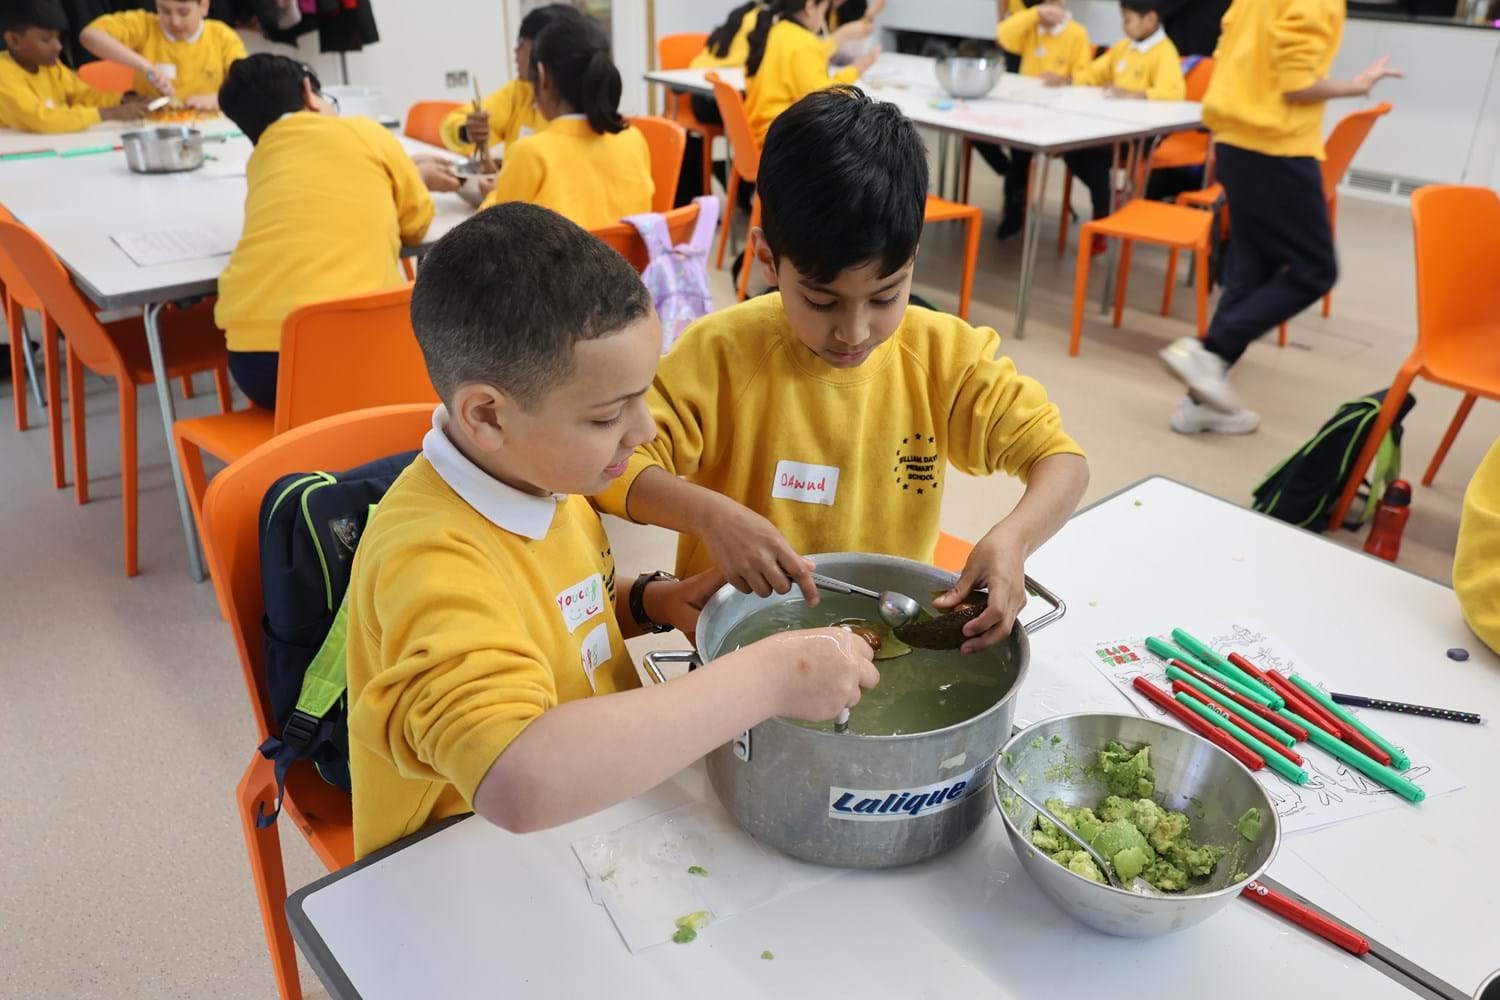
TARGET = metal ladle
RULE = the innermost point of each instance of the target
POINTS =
(895, 609)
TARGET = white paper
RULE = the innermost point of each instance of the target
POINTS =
(171, 246)
(1333, 793)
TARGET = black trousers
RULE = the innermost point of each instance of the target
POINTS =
(1091, 166)
(1281, 258)
(255, 373)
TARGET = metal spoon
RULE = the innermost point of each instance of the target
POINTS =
(895, 609)
(1138, 885)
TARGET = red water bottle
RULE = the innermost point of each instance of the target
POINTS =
(1390, 521)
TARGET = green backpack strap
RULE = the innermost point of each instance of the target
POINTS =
(326, 678)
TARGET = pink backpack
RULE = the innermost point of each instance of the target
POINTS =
(677, 276)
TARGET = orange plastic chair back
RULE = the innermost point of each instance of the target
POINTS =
(1344, 142)
(37, 267)
(667, 141)
(425, 119)
(1198, 79)
(625, 241)
(350, 354)
(12, 282)
(110, 77)
(737, 127)
(675, 52)
(1457, 234)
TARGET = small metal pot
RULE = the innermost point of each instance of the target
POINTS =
(849, 800)
(969, 78)
(167, 150)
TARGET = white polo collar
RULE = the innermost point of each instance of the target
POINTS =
(1151, 41)
(503, 506)
(575, 115)
(1059, 27)
(173, 38)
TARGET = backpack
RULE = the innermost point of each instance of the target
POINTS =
(677, 276)
(1303, 489)
(311, 524)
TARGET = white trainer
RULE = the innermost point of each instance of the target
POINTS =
(1191, 417)
(1203, 372)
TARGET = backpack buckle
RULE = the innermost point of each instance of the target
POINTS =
(300, 730)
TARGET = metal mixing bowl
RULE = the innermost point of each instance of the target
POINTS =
(1192, 776)
(969, 78)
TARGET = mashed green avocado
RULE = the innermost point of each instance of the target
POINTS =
(1249, 824)
(1134, 833)
(689, 926)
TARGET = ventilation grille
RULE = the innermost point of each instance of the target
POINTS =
(1387, 185)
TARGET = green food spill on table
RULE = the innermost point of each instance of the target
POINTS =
(766, 956)
(697, 870)
(689, 926)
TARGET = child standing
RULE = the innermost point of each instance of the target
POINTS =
(176, 52)
(1265, 107)
(788, 60)
(509, 113)
(824, 417)
(37, 92)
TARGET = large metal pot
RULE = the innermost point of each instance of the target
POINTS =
(167, 150)
(800, 790)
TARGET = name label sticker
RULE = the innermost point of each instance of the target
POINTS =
(581, 601)
(806, 483)
(885, 805)
(596, 651)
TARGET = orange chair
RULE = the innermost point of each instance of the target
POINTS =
(1457, 235)
(625, 241)
(425, 119)
(1142, 221)
(117, 350)
(231, 542)
(17, 295)
(110, 77)
(676, 52)
(667, 141)
(952, 553)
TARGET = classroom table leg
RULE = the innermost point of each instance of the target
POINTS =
(942, 165)
(30, 362)
(1036, 198)
(168, 418)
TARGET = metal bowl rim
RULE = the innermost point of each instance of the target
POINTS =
(160, 132)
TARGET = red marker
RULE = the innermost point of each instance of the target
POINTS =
(1305, 918)
(1180, 688)
(1249, 668)
(1281, 722)
(1357, 740)
(1303, 705)
(1202, 727)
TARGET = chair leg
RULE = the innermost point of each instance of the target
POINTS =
(1333, 220)
(1171, 289)
(749, 250)
(221, 386)
(1281, 336)
(708, 164)
(20, 347)
(1126, 250)
(1448, 438)
(1200, 288)
(128, 484)
(80, 434)
(1080, 287)
(1393, 400)
(731, 197)
(965, 165)
(51, 363)
(190, 460)
(971, 262)
(266, 870)
(1067, 212)
(188, 392)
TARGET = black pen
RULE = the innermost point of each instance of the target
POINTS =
(1451, 715)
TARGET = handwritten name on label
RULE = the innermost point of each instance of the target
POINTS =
(581, 601)
(806, 483)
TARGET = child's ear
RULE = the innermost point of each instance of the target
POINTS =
(764, 257)
(482, 412)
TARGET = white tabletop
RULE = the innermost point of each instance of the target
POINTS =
(104, 134)
(474, 910)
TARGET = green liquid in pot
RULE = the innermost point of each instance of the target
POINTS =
(918, 693)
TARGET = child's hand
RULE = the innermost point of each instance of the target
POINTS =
(1050, 79)
(162, 83)
(438, 174)
(821, 671)
(131, 109)
(678, 603)
(864, 62)
(1374, 73)
(998, 565)
(203, 102)
(477, 126)
(1051, 14)
(755, 557)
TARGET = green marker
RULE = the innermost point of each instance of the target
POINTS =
(1291, 772)
(1305, 723)
(1201, 650)
(1399, 760)
(40, 154)
(89, 151)
(1170, 652)
(1255, 721)
(1366, 765)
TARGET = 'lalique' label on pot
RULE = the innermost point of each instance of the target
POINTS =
(869, 805)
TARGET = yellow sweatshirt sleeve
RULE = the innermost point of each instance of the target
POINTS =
(520, 177)
(1301, 37)
(74, 104)
(1476, 562)
(414, 207)
(1001, 419)
(1167, 82)
(500, 106)
(1098, 72)
(1015, 32)
(230, 44)
(130, 28)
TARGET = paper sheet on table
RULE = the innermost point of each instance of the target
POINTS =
(169, 246)
(1333, 793)
(639, 873)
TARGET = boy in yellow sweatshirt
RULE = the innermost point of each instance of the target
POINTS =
(1265, 107)
(825, 417)
(509, 113)
(1476, 562)
(37, 92)
(788, 60)
(176, 52)
(486, 659)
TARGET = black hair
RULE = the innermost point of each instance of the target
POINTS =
(773, 11)
(842, 183)
(575, 51)
(536, 20)
(722, 37)
(504, 297)
(259, 89)
(1142, 6)
(18, 15)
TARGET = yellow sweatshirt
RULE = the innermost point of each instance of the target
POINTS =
(795, 64)
(461, 633)
(1270, 48)
(329, 203)
(595, 179)
(1476, 562)
(840, 460)
(53, 99)
(201, 62)
(1151, 66)
(739, 47)
(1065, 51)
(512, 116)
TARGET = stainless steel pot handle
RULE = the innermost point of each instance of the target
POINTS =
(653, 662)
(1047, 617)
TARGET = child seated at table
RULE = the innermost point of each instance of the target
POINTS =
(1476, 561)
(177, 52)
(509, 113)
(788, 59)
(588, 165)
(486, 661)
(329, 203)
(824, 417)
(37, 92)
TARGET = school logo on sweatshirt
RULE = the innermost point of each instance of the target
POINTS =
(806, 483)
(916, 467)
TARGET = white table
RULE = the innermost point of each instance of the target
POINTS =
(76, 203)
(468, 909)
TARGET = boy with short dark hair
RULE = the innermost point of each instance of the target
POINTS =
(37, 92)
(177, 51)
(486, 660)
(824, 417)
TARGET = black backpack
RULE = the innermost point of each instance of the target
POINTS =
(1303, 489)
(311, 524)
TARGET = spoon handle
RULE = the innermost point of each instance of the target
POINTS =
(840, 587)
